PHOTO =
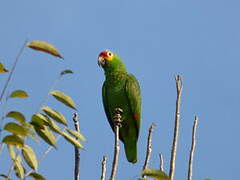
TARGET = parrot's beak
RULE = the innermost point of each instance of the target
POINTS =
(101, 61)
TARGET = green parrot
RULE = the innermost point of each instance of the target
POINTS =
(121, 90)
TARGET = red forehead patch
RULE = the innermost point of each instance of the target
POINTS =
(103, 54)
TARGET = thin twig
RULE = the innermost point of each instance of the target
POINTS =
(44, 155)
(117, 124)
(161, 162)
(4, 108)
(190, 164)
(12, 70)
(176, 128)
(149, 147)
(45, 99)
(77, 152)
(104, 161)
(13, 163)
(8, 80)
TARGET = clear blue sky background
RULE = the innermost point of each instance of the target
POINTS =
(157, 39)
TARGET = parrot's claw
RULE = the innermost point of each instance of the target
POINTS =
(118, 118)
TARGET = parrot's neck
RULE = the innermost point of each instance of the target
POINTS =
(115, 70)
(115, 75)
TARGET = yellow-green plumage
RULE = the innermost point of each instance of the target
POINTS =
(121, 90)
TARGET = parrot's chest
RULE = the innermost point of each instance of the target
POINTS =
(117, 97)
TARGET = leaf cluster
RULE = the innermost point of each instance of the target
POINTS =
(45, 124)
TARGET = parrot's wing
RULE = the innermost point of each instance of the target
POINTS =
(134, 99)
(106, 105)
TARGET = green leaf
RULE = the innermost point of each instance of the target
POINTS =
(78, 135)
(5, 176)
(44, 47)
(144, 179)
(155, 174)
(46, 135)
(54, 115)
(13, 140)
(37, 176)
(65, 99)
(19, 94)
(16, 115)
(72, 140)
(39, 120)
(42, 119)
(30, 157)
(16, 129)
(2, 68)
(30, 131)
(11, 152)
(67, 71)
(19, 169)
(54, 127)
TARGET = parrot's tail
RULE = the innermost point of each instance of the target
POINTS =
(131, 152)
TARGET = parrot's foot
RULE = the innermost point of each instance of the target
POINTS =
(117, 118)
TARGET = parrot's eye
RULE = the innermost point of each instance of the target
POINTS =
(109, 54)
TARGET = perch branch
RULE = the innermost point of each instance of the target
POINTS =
(117, 124)
(176, 128)
(104, 161)
(161, 162)
(190, 164)
(77, 152)
(149, 147)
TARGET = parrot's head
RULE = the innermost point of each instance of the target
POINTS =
(110, 61)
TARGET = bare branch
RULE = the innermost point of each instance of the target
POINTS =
(104, 161)
(176, 128)
(117, 124)
(77, 152)
(190, 164)
(149, 146)
(161, 162)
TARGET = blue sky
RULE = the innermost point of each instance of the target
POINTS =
(157, 39)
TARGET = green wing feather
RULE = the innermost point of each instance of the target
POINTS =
(134, 99)
(105, 105)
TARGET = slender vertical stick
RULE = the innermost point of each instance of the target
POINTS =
(176, 128)
(190, 164)
(149, 147)
(12, 70)
(117, 124)
(77, 152)
(104, 161)
(161, 162)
